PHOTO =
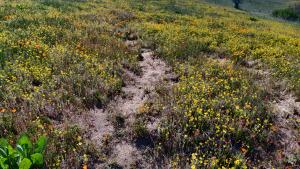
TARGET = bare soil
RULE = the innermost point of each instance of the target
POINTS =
(113, 126)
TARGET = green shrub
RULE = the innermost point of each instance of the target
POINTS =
(288, 14)
(25, 155)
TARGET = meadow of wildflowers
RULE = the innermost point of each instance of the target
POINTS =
(221, 115)
(60, 58)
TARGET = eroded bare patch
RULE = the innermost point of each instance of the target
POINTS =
(130, 139)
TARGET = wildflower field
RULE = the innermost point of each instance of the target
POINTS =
(61, 58)
(57, 60)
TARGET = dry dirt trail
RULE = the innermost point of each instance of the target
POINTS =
(122, 151)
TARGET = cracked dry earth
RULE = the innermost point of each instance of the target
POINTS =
(124, 152)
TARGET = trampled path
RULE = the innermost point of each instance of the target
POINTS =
(123, 152)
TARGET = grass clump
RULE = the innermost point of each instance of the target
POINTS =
(139, 129)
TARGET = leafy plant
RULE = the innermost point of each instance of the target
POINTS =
(26, 154)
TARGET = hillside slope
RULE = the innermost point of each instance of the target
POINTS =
(150, 84)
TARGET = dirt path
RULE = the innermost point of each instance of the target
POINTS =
(114, 124)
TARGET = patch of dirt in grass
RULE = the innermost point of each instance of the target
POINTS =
(118, 119)
(287, 112)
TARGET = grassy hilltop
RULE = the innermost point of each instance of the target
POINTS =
(61, 58)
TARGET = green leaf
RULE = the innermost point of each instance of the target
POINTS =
(6, 146)
(40, 144)
(3, 164)
(20, 150)
(18, 158)
(24, 140)
(37, 159)
(3, 152)
(10, 149)
(14, 159)
(3, 143)
(25, 164)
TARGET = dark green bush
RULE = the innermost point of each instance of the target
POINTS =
(288, 14)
